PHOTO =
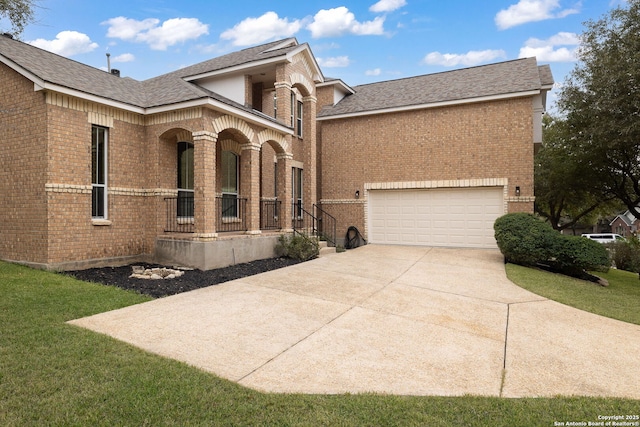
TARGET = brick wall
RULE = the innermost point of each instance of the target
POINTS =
(23, 170)
(472, 141)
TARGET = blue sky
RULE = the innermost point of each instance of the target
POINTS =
(356, 41)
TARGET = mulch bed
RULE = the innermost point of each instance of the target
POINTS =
(192, 279)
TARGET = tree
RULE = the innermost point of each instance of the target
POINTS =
(566, 192)
(601, 103)
(19, 12)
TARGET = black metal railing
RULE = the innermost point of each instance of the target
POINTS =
(270, 215)
(179, 214)
(231, 214)
(318, 223)
(325, 225)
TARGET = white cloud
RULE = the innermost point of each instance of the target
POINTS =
(339, 21)
(171, 32)
(545, 50)
(468, 59)
(387, 6)
(125, 57)
(335, 62)
(374, 72)
(530, 11)
(257, 30)
(67, 43)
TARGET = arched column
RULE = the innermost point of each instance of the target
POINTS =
(204, 168)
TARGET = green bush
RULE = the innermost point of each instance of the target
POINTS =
(524, 239)
(626, 254)
(298, 246)
(574, 254)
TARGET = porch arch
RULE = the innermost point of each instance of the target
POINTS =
(301, 82)
(276, 140)
(229, 122)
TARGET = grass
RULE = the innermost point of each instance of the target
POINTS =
(55, 374)
(619, 300)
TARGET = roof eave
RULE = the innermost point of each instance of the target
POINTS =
(432, 105)
(236, 68)
(220, 106)
(47, 86)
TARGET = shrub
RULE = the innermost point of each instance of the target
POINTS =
(573, 255)
(524, 239)
(297, 246)
(626, 255)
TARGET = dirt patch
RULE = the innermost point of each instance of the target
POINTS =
(192, 279)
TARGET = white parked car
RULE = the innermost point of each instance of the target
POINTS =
(604, 237)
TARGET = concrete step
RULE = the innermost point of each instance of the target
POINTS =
(324, 251)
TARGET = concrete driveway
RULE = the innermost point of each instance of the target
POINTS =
(387, 319)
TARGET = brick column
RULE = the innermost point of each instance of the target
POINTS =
(283, 102)
(310, 152)
(250, 185)
(284, 189)
(204, 171)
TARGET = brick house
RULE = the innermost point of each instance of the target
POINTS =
(625, 224)
(208, 165)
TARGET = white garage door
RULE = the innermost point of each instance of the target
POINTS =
(460, 217)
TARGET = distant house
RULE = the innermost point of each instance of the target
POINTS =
(624, 224)
(206, 166)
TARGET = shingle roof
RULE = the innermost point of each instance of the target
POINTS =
(166, 89)
(509, 77)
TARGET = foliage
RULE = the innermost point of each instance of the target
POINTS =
(19, 12)
(524, 239)
(601, 103)
(298, 246)
(626, 254)
(572, 255)
(566, 191)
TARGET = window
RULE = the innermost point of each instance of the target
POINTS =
(293, 108)
(296, 202)
(275, 104)
(229, 184)
(185, 179)
(98, 172)
(299, 120)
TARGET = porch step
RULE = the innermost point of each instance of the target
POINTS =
(325, 249)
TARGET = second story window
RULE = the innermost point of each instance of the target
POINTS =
(293, 108)
(299, 113)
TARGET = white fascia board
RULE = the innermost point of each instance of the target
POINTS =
(220, 106)
(339, 83)
(235, 69)
(432, 105)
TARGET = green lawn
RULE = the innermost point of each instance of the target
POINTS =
(54, 374)
(620, 300)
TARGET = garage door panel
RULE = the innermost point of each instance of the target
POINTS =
(461, 217)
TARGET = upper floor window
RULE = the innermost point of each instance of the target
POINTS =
(293, 108)
(99, 141)
(275, 104)
(299, 119)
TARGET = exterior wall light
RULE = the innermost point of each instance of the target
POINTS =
(518, 191)
(357, 194)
